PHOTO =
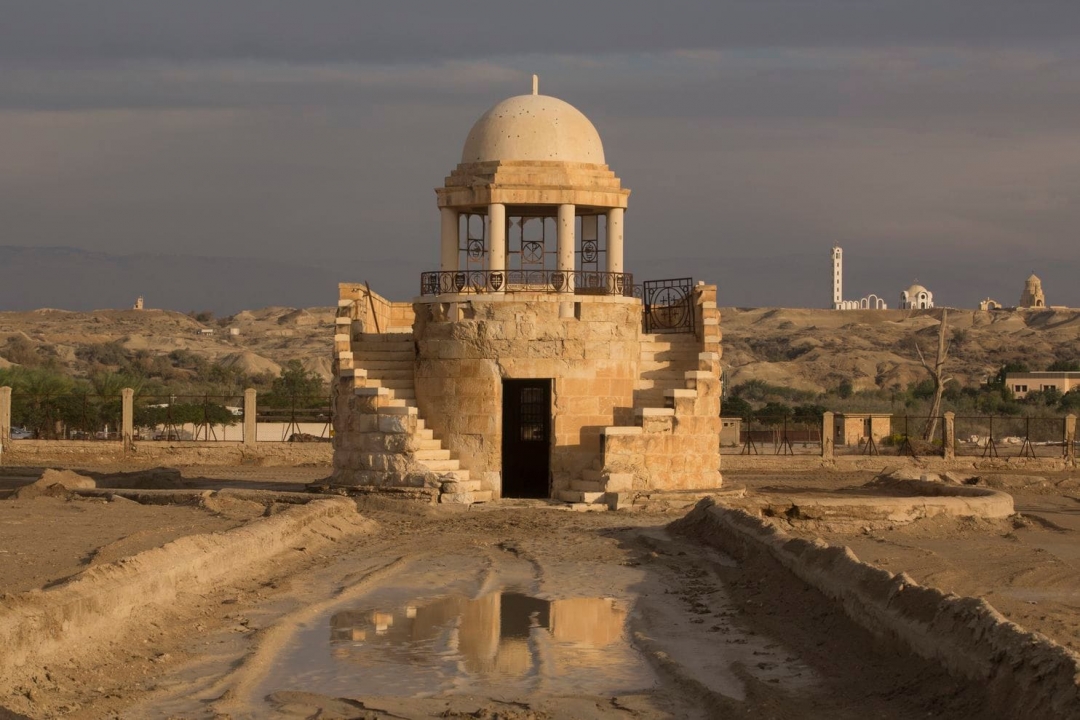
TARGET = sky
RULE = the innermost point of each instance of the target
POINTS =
(935, 141)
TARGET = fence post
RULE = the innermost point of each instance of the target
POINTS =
(948, 436)
(127, 419)
(1070, 437)
(828, 435)
(250, 428)
(5, 417)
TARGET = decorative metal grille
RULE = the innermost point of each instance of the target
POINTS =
(669, 305)
(528, 246)
(470, 282)
(473, 241)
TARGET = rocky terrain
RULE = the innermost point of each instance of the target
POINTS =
(817, 349)
(806, 349)
(265, 339)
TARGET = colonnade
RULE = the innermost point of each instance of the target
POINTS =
(566, 240)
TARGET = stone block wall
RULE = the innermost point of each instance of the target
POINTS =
(676, 447)
(589, 346)
(374, 313)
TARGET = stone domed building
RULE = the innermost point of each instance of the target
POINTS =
(916, 297)
(531, 364)
(1033, 296)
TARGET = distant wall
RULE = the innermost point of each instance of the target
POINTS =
(373, 312)
(175, 454)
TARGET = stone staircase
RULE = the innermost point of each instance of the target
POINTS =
(664, 361)
(668, 363)
(382, 364)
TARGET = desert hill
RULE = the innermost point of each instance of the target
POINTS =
(817, 349)
(800, 348)
(266, 339)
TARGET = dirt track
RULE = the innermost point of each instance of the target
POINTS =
(697, 634)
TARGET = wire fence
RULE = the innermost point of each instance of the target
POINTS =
(1004, 436)
(173, 418)
(81, 416)
(773, 436)
(975, 436)
(296, 419)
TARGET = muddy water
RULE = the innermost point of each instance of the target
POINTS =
(500, 637)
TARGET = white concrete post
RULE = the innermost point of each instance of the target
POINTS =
(1069, 435)
(449, 234)
(127, 419)
(497, 248)
(948, 436)
(828, 436)
(5, 417)
(567, 246)
(615, 240)
(250, 428)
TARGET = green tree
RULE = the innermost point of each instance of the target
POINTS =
(736, 407)
(296, 387)
(1064, 366)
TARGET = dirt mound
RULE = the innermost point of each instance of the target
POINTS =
(54, 483)
(251, 363)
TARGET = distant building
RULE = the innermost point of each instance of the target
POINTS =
(989, 304)
(138, 303)
(856, 428)
(234, 331)
(1023, 383)
(870, 302)
(1033, 296)
(205, 331)
(916, 297)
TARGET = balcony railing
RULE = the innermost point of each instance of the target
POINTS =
(474, 282)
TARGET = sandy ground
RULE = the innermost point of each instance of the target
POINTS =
(1028, 566)
(416, 619)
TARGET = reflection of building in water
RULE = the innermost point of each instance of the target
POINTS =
(495, 633)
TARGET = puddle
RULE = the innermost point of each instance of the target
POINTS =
(502, 642)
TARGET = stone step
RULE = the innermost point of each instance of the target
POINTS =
(428, 443)
(465, 498)
(442, 465)
(587, 486)
(460, 485)
(387, 337)
(425, 434)
(360, 357)
(397, 373)
(389, 365)
(461, 476)
(406, 394)
(392, 383)
(435, 454)
(577, 496)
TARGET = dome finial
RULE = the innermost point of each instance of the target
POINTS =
(536, 84)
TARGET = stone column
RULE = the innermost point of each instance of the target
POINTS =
(1069, 435)
(615, 240)
(567, 246)
(5, 417)
(497, 248)
(828, 435)
(449, 261)
(127, 419)
(250, 428)
(948, 436)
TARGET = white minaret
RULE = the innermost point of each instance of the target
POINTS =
(837, 277)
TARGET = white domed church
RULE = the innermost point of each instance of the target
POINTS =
(532, 364)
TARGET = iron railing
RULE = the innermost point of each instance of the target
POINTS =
(473, 282)
(669, 305)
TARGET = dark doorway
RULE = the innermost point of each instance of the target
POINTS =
(526, 443)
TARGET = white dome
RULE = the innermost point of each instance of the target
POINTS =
(533, 127)
(915, 290)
